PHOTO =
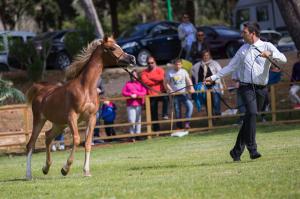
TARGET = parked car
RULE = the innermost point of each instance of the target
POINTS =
(271, 36)
(58, 57)
(7, 38)
(224, 41)
(159, 39)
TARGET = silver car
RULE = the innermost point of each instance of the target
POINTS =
(7, 38)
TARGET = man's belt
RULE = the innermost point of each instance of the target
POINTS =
(252, 85)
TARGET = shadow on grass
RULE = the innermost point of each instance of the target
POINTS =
(44, 178)
(172, 166)
(261, 128)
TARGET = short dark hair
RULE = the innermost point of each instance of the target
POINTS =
(203, 52)
(177, 60)
(253, 27)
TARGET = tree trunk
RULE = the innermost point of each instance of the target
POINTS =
(290, 11)
(91, 14)
(154, 10)
(113, 5)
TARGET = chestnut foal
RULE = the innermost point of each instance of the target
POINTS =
(76, 100)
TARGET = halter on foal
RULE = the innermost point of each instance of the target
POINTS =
(76, 100)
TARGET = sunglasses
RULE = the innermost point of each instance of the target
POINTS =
(200, 35)
(150, 62)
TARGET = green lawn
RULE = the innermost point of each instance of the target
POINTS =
(195, 166)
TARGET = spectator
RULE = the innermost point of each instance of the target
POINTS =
(178, 80)
(204, 69)
(100, 91)
(59, 143)
(153, 77)
(108, 114)
(198, 46)
(186, 33)
(295, 83)
(135, 90)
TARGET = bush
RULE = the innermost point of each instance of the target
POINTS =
(27, 56)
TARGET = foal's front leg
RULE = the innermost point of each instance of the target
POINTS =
(76, 140)
(88, 141)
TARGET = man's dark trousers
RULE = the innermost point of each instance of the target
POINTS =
(154, 109)
(253, 98)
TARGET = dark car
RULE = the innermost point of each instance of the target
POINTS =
(224, 41)
(59, 57)
(159, 39)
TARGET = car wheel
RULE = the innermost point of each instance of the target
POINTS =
(231, 49)
(4, 68)
(142, 57)
(62, 61)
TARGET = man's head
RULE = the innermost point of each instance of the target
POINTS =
(251, 32)
(151, 63)
(177, 64)
(205, 55)
(200, 36)
(185, 18)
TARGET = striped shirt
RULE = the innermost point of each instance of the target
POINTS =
(250, 67)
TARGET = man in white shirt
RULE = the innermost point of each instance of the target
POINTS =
(187, 35)
(253, 67)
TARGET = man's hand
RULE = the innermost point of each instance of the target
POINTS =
(208, 81)
(133, 95)
(265, 54)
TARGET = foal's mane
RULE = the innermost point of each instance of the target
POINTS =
(81, 60)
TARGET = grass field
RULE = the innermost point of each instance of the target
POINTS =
(195, 166)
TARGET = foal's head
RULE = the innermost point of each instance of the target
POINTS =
(114, 55)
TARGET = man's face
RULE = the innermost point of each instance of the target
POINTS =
(178, 65)
(151, 63)
(200, 36)
(247, 36)
(185, 18)
(206, 57)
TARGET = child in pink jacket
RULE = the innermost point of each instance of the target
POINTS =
(135, 90)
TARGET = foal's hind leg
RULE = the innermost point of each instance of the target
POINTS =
(76, 140)
(50, 135)
(38, 124)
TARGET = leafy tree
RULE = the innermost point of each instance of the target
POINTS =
(12, 10)
(290, 11)
(9, 94)
(31, 57)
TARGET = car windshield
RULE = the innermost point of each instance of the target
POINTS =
(226, 31)
(136, 30)
(45, 35)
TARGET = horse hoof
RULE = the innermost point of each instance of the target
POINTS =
(64, 172)
(87, 174)
(45, 171)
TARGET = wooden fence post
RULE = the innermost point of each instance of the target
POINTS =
(209, 108)
(148, 116)
(273, 103)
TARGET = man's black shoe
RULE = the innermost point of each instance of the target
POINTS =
(234, 156)
(255, 155)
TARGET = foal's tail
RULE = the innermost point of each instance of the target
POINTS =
(32, 92)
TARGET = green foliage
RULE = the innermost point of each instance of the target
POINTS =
(9, 94)
(195, 166)
(28, 57)
(83, 35)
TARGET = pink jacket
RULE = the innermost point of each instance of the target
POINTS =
(134, 87)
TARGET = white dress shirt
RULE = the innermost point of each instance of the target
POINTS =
(251, 67)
